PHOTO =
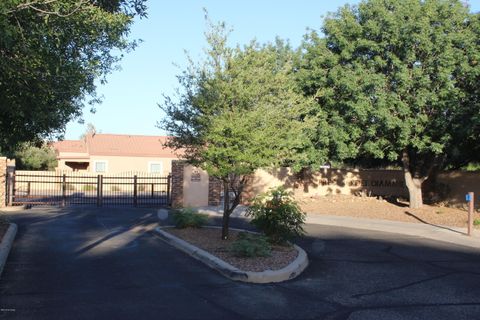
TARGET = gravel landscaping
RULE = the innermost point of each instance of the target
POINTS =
(372, 207)
(209, 240)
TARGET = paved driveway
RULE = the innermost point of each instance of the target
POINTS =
(85, 263)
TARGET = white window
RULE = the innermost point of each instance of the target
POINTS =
(155, 167)
(100, 166)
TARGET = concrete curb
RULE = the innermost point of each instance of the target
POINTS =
(14, 208)
(289, 272)
(438, 233)
(6, 244)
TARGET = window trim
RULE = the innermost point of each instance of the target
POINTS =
(100, 161)
(155, 162)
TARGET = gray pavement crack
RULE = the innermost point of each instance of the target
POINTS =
(345, 314)
(360, 295)
(360, 261)
(451, 269)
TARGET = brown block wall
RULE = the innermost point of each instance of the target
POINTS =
(214, 189)
(177, 183)
(3, 182)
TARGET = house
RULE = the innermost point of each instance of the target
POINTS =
(115, 153)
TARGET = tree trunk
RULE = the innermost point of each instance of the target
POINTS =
(414, 186)
(226, 210)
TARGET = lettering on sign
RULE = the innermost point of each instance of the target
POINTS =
(195, 177)
(393, 183)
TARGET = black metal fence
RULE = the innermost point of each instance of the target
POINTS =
(52, 188)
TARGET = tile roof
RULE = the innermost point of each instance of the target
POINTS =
(119, 145)
(74, 146)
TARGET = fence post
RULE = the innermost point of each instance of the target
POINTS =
(135, 190)
(11, 187)
(64, 190)
(99, 190)
(169, 199)
(470, 198)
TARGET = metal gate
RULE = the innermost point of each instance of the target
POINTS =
(52, 188)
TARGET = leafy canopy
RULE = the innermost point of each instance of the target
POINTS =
(395, 76)
(51, 53)
(237, 110)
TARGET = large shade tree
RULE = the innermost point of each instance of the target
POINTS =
(51, 53)
(236, 111)
(397, 80)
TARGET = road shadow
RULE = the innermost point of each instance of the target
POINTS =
(432, 224)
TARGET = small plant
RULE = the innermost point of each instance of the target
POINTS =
(89, 187)
(115, 188)
(188, 217)
(276, 214)
(250, 245)
(476, 222)
(69, 187)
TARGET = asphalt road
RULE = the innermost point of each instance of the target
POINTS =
(89, 263)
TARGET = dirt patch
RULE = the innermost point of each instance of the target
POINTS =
(209, 240)
(371, 207)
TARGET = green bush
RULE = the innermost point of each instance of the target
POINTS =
(277, 215)
(89, 187)
(189, 217)
(250, 245)
(476, 222)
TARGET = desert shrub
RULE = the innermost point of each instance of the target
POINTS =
(70, 187)
(277, 215)
(250, 245)
(89, 187)
(189, 217)
(115, 188)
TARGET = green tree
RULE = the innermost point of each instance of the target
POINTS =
(51, 53)
(236, 111)
(396, 80)
(32, 157)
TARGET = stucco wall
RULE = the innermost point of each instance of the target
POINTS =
(459, 183)
(329, 181)
(351, 182)
(120, 164)
(130, 164)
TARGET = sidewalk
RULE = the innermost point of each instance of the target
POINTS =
(440, 233)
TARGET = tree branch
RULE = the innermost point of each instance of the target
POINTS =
(33, 5)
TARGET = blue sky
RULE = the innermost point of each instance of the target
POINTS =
(131, 95)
